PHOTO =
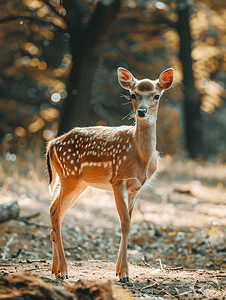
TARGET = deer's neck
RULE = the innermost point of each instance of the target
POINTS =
(145, 139)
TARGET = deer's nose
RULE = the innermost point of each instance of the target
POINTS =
(142, 112)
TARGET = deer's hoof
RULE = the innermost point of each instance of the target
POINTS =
(125, 279)
(64, 277)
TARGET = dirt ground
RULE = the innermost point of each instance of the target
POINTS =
(177, 240)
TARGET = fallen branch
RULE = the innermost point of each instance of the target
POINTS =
(9, 211)
(31, 216)
(33, 224)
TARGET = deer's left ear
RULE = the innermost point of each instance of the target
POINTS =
(166, 79)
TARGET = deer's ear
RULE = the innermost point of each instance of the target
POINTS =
(166, 79)
(126, 79)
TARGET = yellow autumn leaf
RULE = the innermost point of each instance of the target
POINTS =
(172, 233)
(214, 231)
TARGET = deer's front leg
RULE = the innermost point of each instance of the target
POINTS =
(121, 200)
(59, 260)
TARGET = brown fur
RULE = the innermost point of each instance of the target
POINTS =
(145, 86)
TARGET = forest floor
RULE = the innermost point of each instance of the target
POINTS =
(177, 242)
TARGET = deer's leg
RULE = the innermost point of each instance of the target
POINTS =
(57, 211)
(125, 217)
(121, 200)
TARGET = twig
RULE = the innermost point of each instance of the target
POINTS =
(30, 261)
(193, 288)
(178, 292)
(31, 223)
(161, 266)
(17, 254)
(170, 295)
(214, 265)
(148, 286)
(173, 269)
(146, 264)
(6, 249)
(184, 294)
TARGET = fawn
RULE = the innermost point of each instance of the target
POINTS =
(120, 158)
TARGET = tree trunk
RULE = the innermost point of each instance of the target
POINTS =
(193, 133)
(85, 46)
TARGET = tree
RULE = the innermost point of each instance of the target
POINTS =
(60, 51)
(191, 97)
(86, 43)
(35, 48)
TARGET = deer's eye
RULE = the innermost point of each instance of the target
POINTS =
(133, 96)
(156, 97)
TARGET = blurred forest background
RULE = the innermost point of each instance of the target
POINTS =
(58, 70)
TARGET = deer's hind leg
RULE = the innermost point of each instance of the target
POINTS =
(69, 193)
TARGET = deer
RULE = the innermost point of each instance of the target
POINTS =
(121, 159)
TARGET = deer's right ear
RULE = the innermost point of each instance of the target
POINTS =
(126, 79)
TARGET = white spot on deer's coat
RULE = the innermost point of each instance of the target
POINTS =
(71, 162)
